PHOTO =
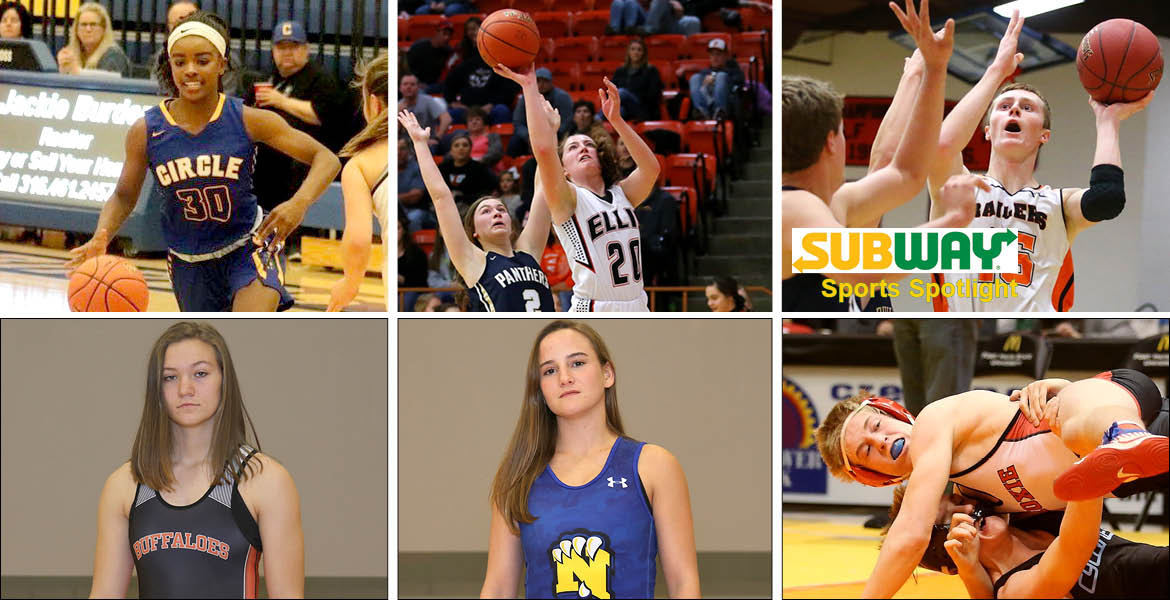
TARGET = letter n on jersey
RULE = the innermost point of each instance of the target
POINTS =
(583, 564)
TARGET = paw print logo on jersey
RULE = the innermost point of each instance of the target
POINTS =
(583, 562)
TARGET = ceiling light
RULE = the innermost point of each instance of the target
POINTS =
(1028, 8)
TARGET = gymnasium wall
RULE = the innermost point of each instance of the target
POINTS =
(697, 387)
(72, 397)
(1112, 258)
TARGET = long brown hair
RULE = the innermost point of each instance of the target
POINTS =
(462, 297)
(534, 440)
(150, 458)
(372, 78)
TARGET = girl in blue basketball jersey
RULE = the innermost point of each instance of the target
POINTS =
(200, 146)
(502, 271)
(583, 508)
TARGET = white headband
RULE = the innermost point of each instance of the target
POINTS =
(202, 30)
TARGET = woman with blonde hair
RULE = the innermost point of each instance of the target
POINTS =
(91, 44)
(197, 501)
(579, 505)
(364, 184)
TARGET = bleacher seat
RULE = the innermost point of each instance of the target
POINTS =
(423, 26)
(661, 169)
(669, 46)
(459, 22)
(755, 18)
(404, 29)
(574, 49)
(666, 72)
(565, 75)
(694, 170)
(665, 137)
(554, 23)
(425, 239)
(505, 131)
(752, 43)
(491, 6)
(688, 200)
(590, 95)
(590, 22)
(703, 136)
(613, 47)
(531, 6)
(593, 74)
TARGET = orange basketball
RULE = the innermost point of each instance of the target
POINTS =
(1119, 60)
(107, 284)
(508, 37)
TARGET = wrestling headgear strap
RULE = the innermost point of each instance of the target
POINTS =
(859, 473)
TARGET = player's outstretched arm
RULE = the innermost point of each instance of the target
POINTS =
(505, 559)
(271, 129)
(466, 258)
(893, 125)
(910, 532)
(562, 202)
(122, 202)
(866, 200)
(670, 502)
(355, 239)
(1104, 199)
(534, 237)
(1061, 565)
(638, 185)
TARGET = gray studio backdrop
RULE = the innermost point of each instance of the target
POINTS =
(700, 388)
(72, 395)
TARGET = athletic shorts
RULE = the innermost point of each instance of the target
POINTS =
(1141, 388)
(211, 285)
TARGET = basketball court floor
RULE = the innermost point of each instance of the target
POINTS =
(830, 555)
(34, 278)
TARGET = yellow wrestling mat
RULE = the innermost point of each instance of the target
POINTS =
(829, 559)
(34, 278)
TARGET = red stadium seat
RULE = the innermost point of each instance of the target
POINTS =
(505, 131)
(752, 43)
(593, 74)
(756, 18)
(665, 137)
(565, 74)
(690, 169)
(491, 6)
(404, 29)
(425, 239)
(438, 158)
(697, 43)
(554, 23)
(545, 54)
(613, 47)
(403, 47)
(666, 72)
(713, 21)
(532, 6)
(582, 48)
(668, 96)
(590, 95)
(661, 169)
(703, 136)
(689, 67)
(590, 22)
(423, 26)
(671, 46)
(688, 200)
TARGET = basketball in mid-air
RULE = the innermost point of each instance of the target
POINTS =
(107, 284)
(1119, 60)
(508, 37)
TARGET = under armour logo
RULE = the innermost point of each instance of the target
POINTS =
(623, 482)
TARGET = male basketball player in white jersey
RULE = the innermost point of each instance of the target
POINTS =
(1018, 124)
(997, 450)
(592, 210)
(815, 194)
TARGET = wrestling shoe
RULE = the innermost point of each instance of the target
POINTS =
(1125, 454)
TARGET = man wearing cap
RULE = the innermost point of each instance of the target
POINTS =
(309, 98)
(427, 57)
(473, 83)
(558, 98)
(711, 87)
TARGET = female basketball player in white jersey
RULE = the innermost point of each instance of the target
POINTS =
(583, 508)
(196, 503)
(501, 271)
(364, 184)
(199, 144)
(1017, 122)
(592, 210)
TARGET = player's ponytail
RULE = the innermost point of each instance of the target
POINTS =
(162, 66)
(372, 78)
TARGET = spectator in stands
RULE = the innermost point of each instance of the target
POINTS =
(309, 99)
(639, 84)
(626, 15)
(666, 16)
(468, 179)
(467, 45)
(448, 307)
(658, 224)
(412, 195)
(440, 272)
(179, 11)
(936, 358)
(711, 88)
(473, 83)
(91, 44)
(412, 261)
(15, 21)
(723, 295)
(626, 162)
(427, 303)
(509, 192)
(428, 57)
(485, 145)
(558, 98)
(585, 120)
(429, 111)
(445, 7)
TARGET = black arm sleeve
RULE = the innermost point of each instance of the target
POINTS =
(1106, 194)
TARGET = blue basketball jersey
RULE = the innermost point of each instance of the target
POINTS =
(511, 284)
(205, 180)
(592, 541)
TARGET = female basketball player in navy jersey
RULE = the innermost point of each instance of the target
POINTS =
(200, 146)
(197, 502)
(583, 508)
(502, 271)
(364, 185)
(592, 209)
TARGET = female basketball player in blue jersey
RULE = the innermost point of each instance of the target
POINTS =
(197, 502)
(502, 271)
(592, 209)
(583, 508)
(200, 146)
(364, 185)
